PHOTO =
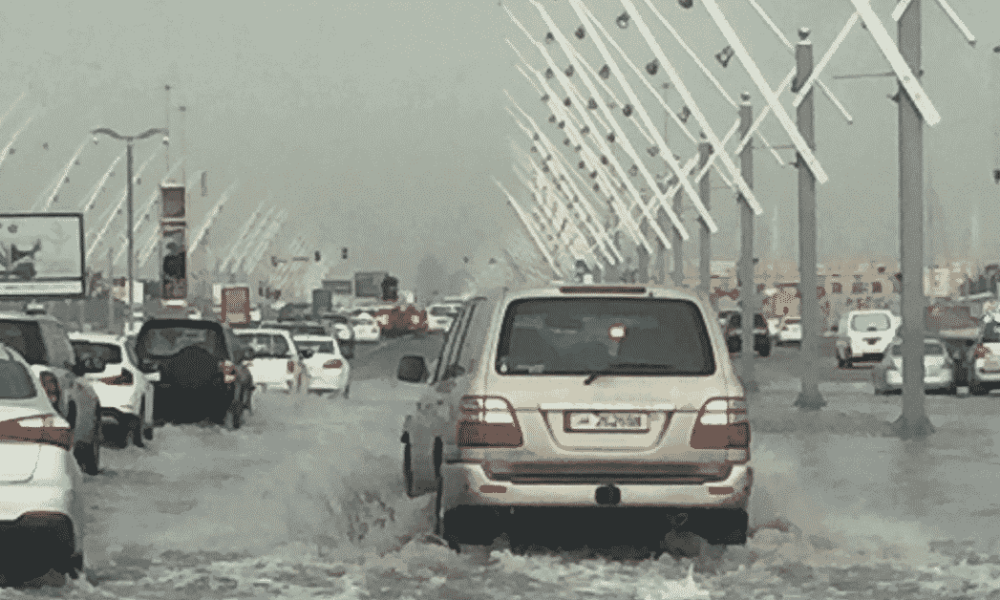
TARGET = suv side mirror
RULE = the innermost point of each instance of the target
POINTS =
(834, 328)
(306, 353)
(347, 350)
(412, 369)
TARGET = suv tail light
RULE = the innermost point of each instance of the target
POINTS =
(125, 378)
(41, 429)
(291, 366)
(228, 370)
(981, 351)
(722, 424)
(335, 363)
(51, 385)
(487, 421)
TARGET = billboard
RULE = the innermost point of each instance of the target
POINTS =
(338, 287)
(174, 269)
(41, 255)
(369, 285)
(236, 305)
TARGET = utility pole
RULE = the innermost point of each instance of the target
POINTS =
(748, 290)
(111, 289)
(809, 398)
(704, 236)
(913, 422)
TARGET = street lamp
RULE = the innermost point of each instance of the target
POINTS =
(129, 140)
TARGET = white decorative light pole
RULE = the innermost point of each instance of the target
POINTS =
(129, 140)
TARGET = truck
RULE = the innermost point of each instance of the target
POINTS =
(398, 314)
(235, 305)
(369, 284)
(322, 302)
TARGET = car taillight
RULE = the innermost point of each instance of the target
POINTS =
(41, 429)
(981, 351)
(291, 366)
(333, 364)
(51, 385)
(124, 378)
(722, 424)
(487, 421)
(228, 370)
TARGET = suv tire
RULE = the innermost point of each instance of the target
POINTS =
(90, 455)
(976, 388)
(135, 430)
(724, 527)
(464, 525)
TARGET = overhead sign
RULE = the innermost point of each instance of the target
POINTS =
(41, 255)
(339, 287)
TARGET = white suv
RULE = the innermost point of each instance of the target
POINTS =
(864, 335)
(581, 397)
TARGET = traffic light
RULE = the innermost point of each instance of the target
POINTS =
(317, 256)
(343, 253)
(274, 261)
(685, 3)
(173, 201)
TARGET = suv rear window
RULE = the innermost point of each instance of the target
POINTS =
(574, 336)
(15, 381)
(26, 338)
(736, 320)
(874, 322)
(110, 354)
(163, 342)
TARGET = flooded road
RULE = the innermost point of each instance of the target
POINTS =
(306, 500)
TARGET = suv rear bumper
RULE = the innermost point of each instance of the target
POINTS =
(466, 484)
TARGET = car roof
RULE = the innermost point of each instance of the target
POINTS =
(308, 337)
(15, 316)
(267, 330)
(101, 338)
(573, 290)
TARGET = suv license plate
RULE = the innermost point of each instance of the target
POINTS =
(607, 421)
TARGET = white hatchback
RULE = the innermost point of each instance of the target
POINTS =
(125, 393)
(790, 331)
(864, 335)
(328, 370)
(276, 362)
(365, 327)
(440, 316)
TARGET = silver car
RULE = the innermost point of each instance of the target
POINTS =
(581, 397)
(939, 369)
(41, 511)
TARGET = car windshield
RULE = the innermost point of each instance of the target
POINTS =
(15, 381)
(317, 346)
(308, 330)
(25, 338)
(266, 345)
(873, 322)
(930, 349)
(442, 311)
(110, 354)
(585, 335)
(163, 342)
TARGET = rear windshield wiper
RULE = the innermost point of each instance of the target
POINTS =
(639, 368)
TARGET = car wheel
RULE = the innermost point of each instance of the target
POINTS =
(848, 363)
(90, 456)
(725, 527)
(765, 350)
(976, 388)
(464, 525)
(347, 391)
(408, 471)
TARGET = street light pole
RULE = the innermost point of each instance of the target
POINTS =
(129, 140)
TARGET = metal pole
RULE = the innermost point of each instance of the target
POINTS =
(748, 291)
(131, 237)
(678, 243)
(913, 422)
(111, 289)
(809, 398)
(704, 237)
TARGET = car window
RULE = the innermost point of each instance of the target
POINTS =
(447, 349)
(110, 354)
(317, 346)
(930, 349)
(442, 311)
(460, 342)
(584, 335)
(872, 322)
(266, 345)
(163, 342)
(25, 338)
(16, 382)
(759, 322)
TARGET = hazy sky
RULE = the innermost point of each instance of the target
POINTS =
(378, 124)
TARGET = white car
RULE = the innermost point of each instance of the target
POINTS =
(864, 335)
(328, 370)
(276, 362)
(365, 327)
(125, 392)
(790, 331)
(41, 507)
(441, 316)
(939, 369)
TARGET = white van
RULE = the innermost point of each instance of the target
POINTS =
(864, 336)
